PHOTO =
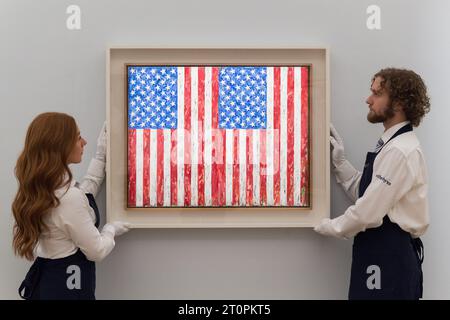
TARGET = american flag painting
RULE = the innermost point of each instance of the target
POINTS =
(218, 136)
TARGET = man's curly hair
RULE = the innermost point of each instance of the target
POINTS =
(407, 89)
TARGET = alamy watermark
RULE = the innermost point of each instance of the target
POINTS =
(74, 280)
(374, 280)
(73, 21)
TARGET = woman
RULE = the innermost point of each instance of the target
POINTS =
(56, 218)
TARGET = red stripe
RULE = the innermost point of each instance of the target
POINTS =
(235, 200)
(173, 167)
(187, 136)
(146, 171)
(215, 137)
(131, 167)
(221, 170)
(249, 165)
(276, 135)
(201, 145)
(290, 138)
(160, 168)
(305, 139)
(262, 169)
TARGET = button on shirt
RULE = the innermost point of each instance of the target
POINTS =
(71, 223)
(398, 188)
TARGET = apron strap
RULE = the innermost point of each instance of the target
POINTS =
(418, 246)
(28, 285)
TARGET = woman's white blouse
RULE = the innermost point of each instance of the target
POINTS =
(71, 224)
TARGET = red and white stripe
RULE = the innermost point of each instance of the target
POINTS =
(198, 164)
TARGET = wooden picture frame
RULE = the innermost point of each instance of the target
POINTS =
(217, 217)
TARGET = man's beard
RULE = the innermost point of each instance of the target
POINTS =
(388, 113)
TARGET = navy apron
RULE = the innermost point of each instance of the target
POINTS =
(48, 279)
(387, 250)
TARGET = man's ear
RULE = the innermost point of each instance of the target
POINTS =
(397, 106)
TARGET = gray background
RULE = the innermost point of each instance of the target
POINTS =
(45, 67)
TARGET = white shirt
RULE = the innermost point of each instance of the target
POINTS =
(71, 224)
(398, 188)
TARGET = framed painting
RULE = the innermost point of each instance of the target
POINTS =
(218, 137)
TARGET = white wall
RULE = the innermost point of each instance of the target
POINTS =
(46, 67)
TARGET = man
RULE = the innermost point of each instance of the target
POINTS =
(391, 206)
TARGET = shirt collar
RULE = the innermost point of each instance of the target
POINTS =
(392, 130)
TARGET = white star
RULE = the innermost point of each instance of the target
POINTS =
(132, 70)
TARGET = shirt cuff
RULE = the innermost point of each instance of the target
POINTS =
(96, 168)
(344, 171)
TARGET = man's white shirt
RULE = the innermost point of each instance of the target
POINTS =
(71, 224)
(398, 188)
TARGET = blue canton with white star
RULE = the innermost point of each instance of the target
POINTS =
(152, 97)
(242, 98)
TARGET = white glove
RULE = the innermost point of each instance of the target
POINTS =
(337, 144)
(324, 227)
(117, 228)
(100, 154)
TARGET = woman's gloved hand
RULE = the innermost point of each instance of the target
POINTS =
(117, 228)
(100, 154)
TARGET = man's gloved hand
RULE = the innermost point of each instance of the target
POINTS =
(337, 144)
(117, 228)
(100, 154)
